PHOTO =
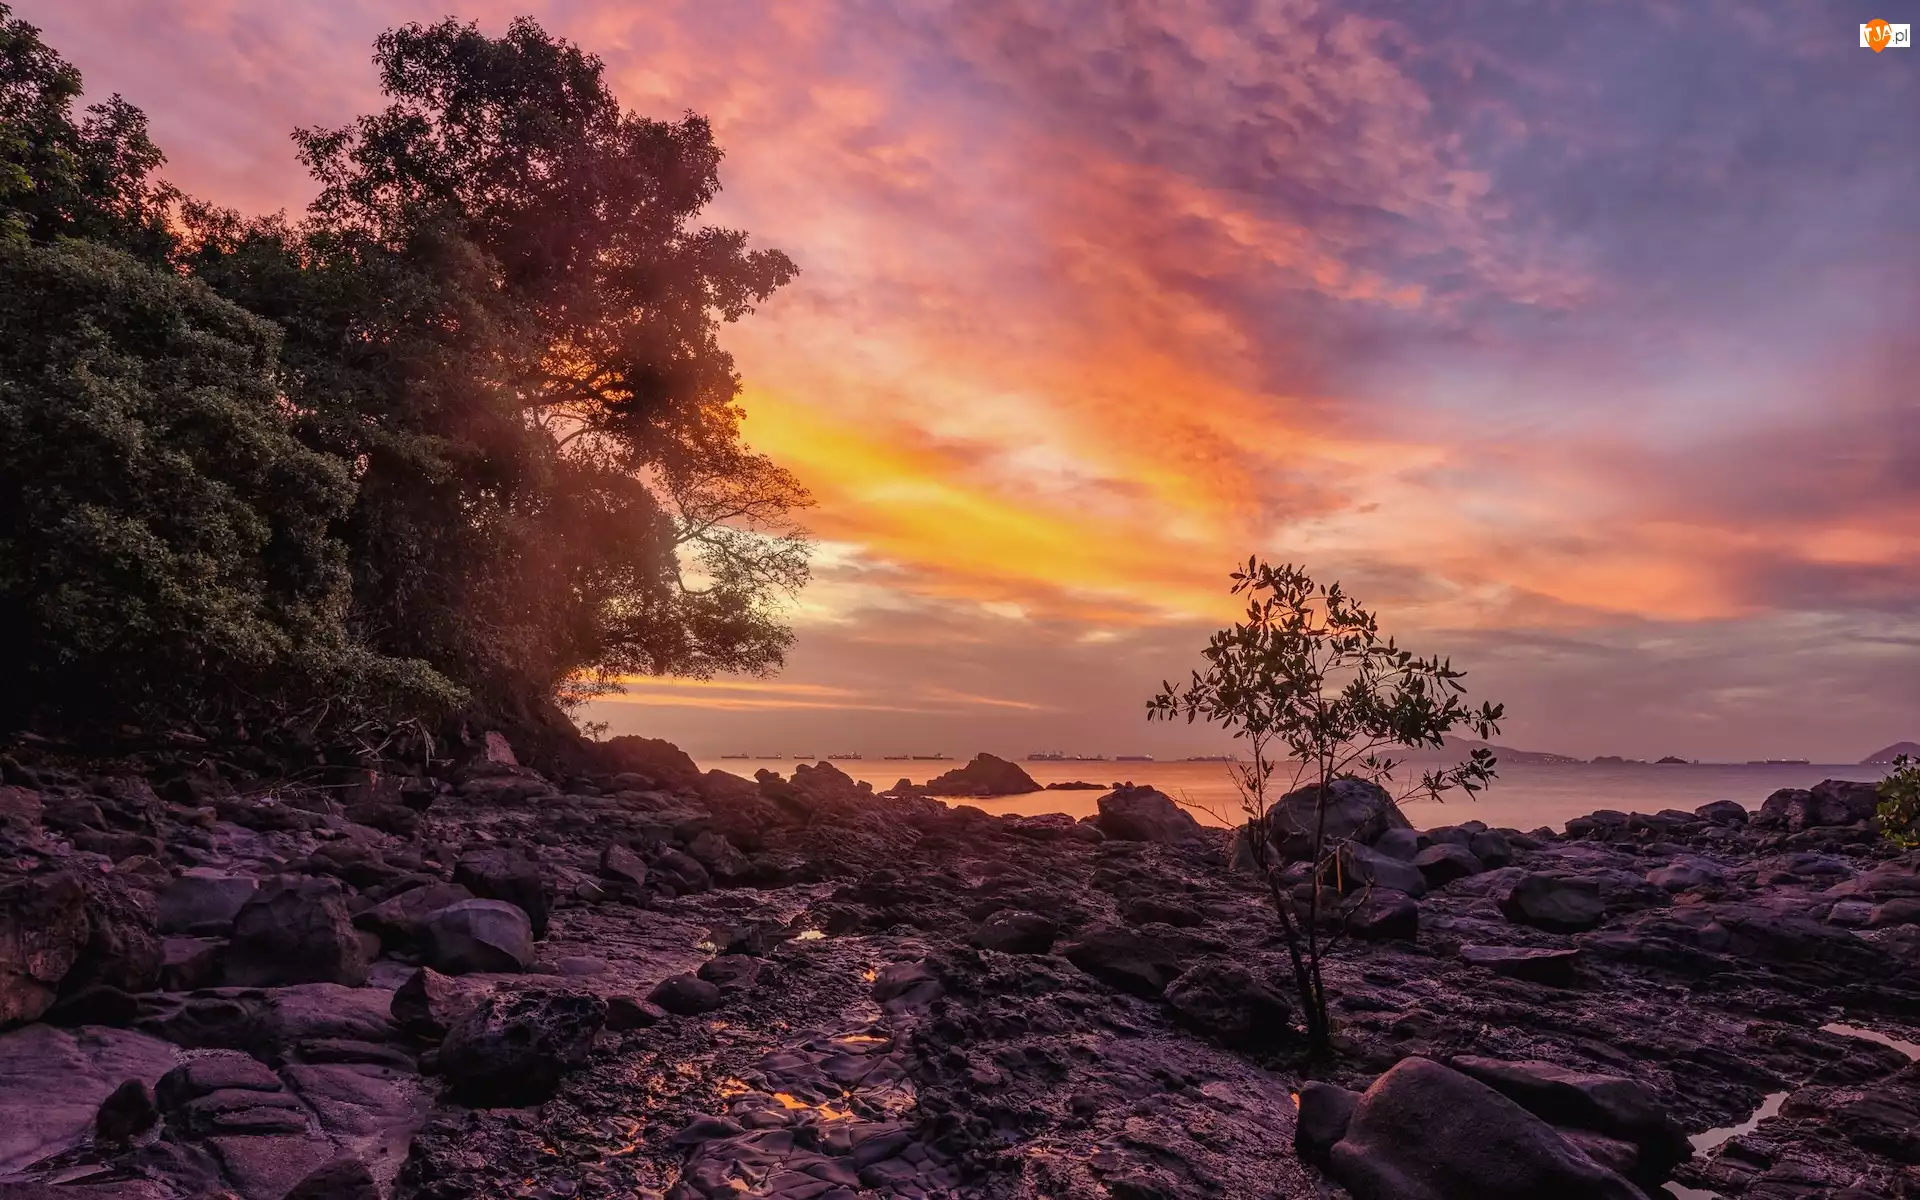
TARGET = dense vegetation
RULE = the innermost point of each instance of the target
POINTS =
(462, 434)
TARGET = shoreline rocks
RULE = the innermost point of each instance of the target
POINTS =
(803, 979)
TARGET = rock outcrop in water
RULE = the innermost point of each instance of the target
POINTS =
(638, 979)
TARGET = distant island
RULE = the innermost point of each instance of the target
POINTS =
(1886, 757)
(1459, 748)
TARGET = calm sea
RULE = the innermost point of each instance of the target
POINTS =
(1526, 796)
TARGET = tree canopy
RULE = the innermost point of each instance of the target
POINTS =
(494, 334)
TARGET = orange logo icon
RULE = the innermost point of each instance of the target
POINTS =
(1879, 34)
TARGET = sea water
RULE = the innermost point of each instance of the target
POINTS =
(1526, 795)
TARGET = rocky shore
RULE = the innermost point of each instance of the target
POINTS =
(627, 977)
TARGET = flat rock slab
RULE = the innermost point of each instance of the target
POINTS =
(1557, 968)
(53, 1080)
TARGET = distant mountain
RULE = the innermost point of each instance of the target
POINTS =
(1457, 750)
(1910, 749)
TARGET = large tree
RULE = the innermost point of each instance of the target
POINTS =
(167, 545)
(66, 176)
(502, 311)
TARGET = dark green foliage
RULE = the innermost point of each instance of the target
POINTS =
(500, 310)
(60, 177)
(468, 421)
(1899, 811)
(164, 544)
(1306, 679)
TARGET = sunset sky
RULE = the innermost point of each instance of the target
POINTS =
(1582, 339)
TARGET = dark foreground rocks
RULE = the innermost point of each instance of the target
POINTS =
(629, 977)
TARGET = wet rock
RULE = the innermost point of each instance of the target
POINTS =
(906, 987)
(681, 873)
(1141, 814)
(1904, 911)
(239, 1112)
(1799, 809)
(1149, 910)
(53, 1082)
(1492, 848)
(1445, 862)
(1555, 968)
(121, 951)
(470, 936)
(96, 1004)
(43, 930)
(400, 921)
(1424, 1132)
(730, 972)
(429, 1003)
(1230, 1005)
(1403, 844)
(513, 1049)
(719, 856)
(341, 1179)
(126, 1112)
(204, 902)
(1605, 1104)
(1687, 874)
(212, 1073)
(621, 867)
(1356, 811)
(1127, 961)
(503, 875)
(1016, 933)
(1360, 867)
(1325, 1112)
(625, 1012)
(295, 931)
(686, 995)
(1722, 812)
(1382, 914)
(1556, 903)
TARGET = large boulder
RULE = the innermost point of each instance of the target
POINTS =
(986, 775)
(1142, 814)
(1556, 903)
(1230, 1004)
(1444, 862)
(1325, 1113)
(1604, 1104)
(1363, 867)
(469, 936)
(506, 875)
(43, 930)
(1014, 932)
(722, 859)
(1382, 914)
(1425, 1132)
(513, 1048)
(653, 757)
(1835, 802)
(1125, 960)
(1354, 811)
(204, 902)
(1492, 848)
(428, 1004)
(296, 931)
(400, 921)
